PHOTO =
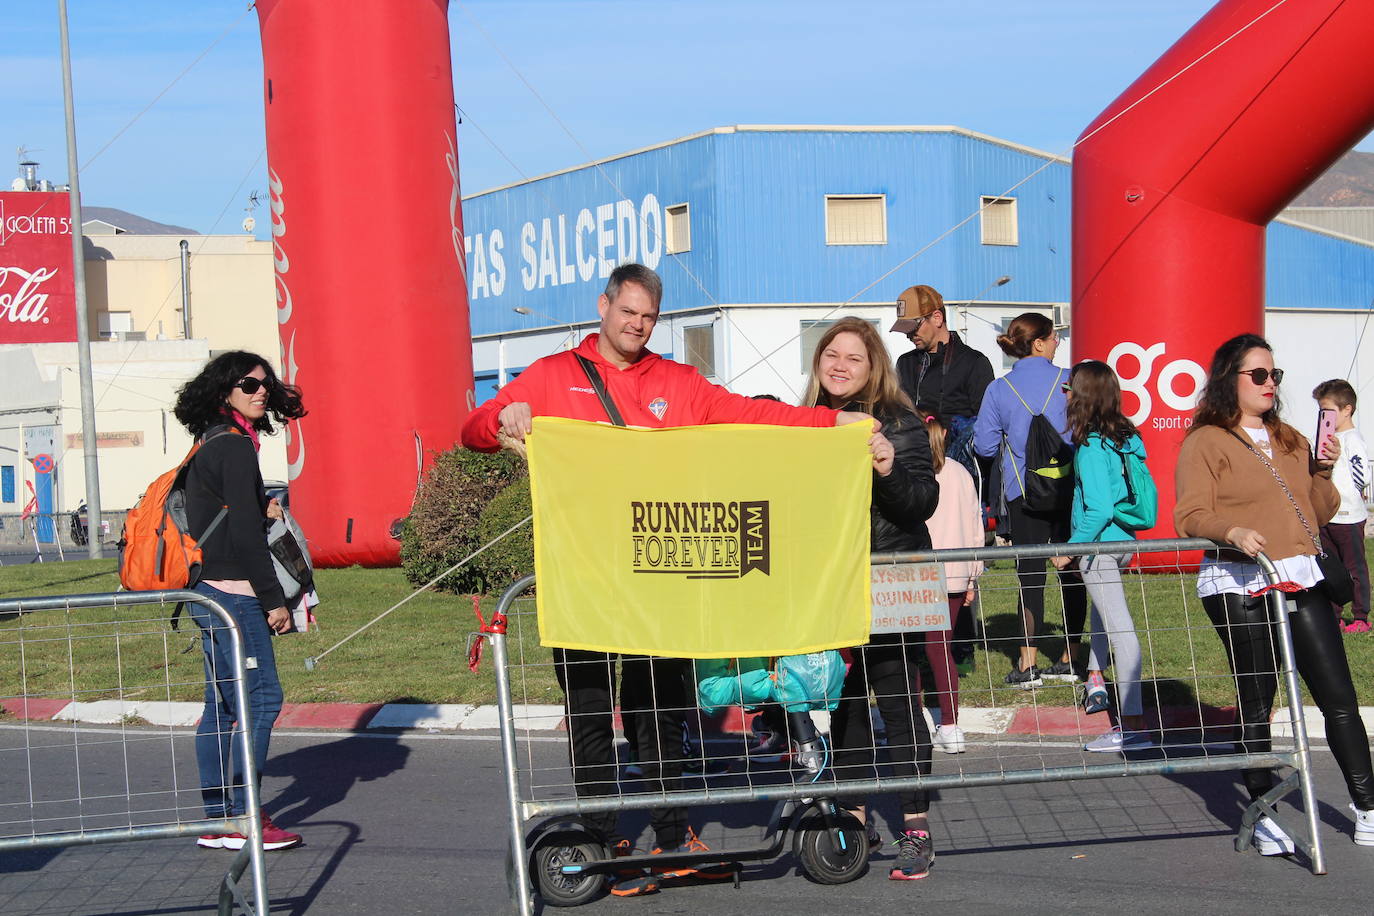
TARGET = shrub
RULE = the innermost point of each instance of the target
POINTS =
(442, 527)
(512, 556)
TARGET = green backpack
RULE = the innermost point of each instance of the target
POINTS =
(1140, 509)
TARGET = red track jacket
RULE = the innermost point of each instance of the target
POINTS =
(654, 392)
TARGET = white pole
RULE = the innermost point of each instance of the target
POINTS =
(83, 331)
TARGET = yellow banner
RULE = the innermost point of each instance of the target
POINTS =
(701, 541)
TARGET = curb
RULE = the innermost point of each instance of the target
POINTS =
(1044, 721)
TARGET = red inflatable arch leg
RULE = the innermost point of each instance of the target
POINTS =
(367, 227)
(1174, 182)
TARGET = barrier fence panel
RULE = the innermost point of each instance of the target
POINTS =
(1184, 693)
(42, 537)
(117, 658)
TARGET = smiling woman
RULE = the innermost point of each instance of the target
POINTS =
(851, 370)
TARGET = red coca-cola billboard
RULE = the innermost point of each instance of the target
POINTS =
(37, 286)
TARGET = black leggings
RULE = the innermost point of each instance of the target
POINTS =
(1039, 528)
(1243, 623)
(887, 666)
(654, 699)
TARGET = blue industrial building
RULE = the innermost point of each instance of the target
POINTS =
(762, 234)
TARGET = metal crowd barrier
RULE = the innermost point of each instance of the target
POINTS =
(41, 537)
(1168, 620)
(82, 785)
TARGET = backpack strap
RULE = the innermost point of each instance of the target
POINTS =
(1043, 407)
(599, 386)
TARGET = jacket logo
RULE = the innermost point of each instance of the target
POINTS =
(700, 539)
(582, 390)
(658, 407)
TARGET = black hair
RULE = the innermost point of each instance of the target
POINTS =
(1219, 403)
(202, 402)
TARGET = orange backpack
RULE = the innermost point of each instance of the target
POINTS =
(155, 550)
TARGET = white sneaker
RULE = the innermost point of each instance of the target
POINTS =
(1270, 840)
(950, 739)
(1364, 827)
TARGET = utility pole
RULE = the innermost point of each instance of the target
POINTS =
(83, 332)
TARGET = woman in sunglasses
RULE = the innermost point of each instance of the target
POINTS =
(235, 398)
(1247, 479)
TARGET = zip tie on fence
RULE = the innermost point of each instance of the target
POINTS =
(476, 641)
(314, 660)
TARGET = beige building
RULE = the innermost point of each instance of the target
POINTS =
(140, 356)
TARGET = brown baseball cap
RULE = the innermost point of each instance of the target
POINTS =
(914, 303)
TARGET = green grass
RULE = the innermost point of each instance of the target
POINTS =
(416, 654)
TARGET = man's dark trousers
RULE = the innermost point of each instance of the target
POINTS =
(652, 691)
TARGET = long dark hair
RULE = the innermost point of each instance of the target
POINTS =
(1219, 404)
(1096, 404)
(201, 402)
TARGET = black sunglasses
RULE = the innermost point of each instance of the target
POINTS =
(250, 385)
(1066, 388)
(1260, 376)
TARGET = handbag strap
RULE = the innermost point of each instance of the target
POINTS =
(1316, 543)
(599, 386)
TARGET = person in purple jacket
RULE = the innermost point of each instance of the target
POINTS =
(1033, 386)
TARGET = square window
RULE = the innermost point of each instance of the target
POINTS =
(997, 216)
(699, 348)
(678, 237)
(855, 219)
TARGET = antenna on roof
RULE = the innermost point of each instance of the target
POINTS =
(249, 222)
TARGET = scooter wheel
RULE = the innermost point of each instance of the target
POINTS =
(834, 852)
(557, 886)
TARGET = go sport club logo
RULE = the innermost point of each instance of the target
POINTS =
(700, 540)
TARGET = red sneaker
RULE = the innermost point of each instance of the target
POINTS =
(273, 837)
(211, 840)
(1358, 626)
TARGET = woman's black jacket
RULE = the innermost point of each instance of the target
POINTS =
(903, 500)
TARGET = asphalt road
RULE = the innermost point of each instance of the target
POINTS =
(414, 824)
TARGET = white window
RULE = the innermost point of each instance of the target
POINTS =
(998, 218)
(811, 333)
(855, 219)
(112, 323)
(679, 229)
(699, 348)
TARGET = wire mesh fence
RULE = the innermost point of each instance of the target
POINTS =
(42, 537)
(1123, 674)
(97, 751)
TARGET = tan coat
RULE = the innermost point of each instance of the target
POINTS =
(1221, 485)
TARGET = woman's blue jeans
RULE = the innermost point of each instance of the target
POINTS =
(222, 788)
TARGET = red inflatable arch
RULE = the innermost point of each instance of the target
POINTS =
(368, 241)
(1174, 182)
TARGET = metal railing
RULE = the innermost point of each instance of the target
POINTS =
(79, 785)
(1185, 713)
(41, 537)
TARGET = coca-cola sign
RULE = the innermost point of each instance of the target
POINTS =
(37, 286)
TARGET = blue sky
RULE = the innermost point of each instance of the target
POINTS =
(618, 73)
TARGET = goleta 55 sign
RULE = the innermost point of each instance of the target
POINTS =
(37, 288)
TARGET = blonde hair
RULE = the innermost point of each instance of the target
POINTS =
(937, 433)
(883, 392)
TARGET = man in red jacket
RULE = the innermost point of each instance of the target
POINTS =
(649, 391)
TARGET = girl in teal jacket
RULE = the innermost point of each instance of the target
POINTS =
(1104, 438)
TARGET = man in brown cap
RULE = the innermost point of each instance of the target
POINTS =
(944, 376)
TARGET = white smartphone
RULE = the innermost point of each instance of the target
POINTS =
(1326, 430)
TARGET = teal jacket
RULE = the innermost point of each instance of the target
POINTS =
(1099, 484)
